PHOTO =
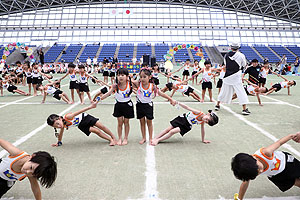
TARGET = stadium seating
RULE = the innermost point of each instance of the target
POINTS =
(280, 50)
(294, 49)
(126, 53)
(160, 51)
(107, 51)
(71, 53)
(250, 53)
(267, 53)
(53, 53)
(143, 49)
(90, 50)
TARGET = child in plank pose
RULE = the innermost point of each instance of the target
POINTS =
(146, 91)
(123, 109)
(284, 84)
(51, 88)
(85, 122)
(282, 168)
(10, 88)
(74, 85)
(183, 124)
(40, 166)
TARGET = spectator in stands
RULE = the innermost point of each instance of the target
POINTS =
(88, 62)
(253, 72)
(296, 65)
(95, 61)
(41, 54)
(283, 62)
(115, 59)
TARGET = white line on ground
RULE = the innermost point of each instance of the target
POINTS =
(35, 131)
(283, 102)
(269, 198)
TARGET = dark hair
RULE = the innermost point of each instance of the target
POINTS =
(294, 83)
(207, 62)
(244, 167)
(214, 119)
(146, 71)
(188, 60)
(50, 121)
(18, 62)
(125, 72)
(254, 61)
(169, 86)
(144, 65)
(71, 65)
(46, 171)
(122, 71)
(81, 66)
(155, 64)
(196, 61)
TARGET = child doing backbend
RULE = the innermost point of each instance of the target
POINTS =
(85, 122)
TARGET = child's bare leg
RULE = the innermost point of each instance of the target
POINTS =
(270, 91)
(150, 130)
(127, 127)
(210, 95)
(89, 96)
(219, 90)
(203, 95)
(64, 98)
(297, 182)
(234, 96)
(34, 90)
(96, 95)
(82, 97)
(102, 135)
(20, 92)
(106, 130)
(166, 136)
(29, 88)
(143, 130)
(164, 89)
(72, 95)
(120, 125)
(77, 90)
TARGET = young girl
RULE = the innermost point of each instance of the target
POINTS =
(186, 71)
(265, 70)
(222, 71)
(105, 69)
(28, 75)
(83, 84)
(183, 124)
(40, 166)
(19, 73)
(195, 71)
(52, 90)
(123, 109)
(285, 84)
(74, 85)
(155, 73)
(180, 86)
(112, 73)
(10, 88)
(85, 122)
(36, 78)
(146, 91)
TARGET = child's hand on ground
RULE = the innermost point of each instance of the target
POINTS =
(54, 145)
(296, 137)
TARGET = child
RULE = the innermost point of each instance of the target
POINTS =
(83, 84)
(195, 71)
(40, 166)
(52, 90)
(186, 71)
(285, 84)
(105, 72)
(265, 70)
(222, 74)
(112, 73)
(144, 107)
(19, 73)
(10, 88)
(85, 122)
(180, 86)
(282, 168)
(74, 85)
(123, 109)
(28, 74)
(36, 78)
(155, 73)
(183, 124)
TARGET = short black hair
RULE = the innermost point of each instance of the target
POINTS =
(18, 62)
(46, 171)
(294, 83)
(244, 167)
(71, 65)
(207, 62)
(169, 86)
(214, 118)
(81, 66)
(254, 60)
(51, 119)
(188, 60)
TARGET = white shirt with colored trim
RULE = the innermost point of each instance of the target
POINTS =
(123, 95)
(83, 79)
(207, 75)
(145, 95)
(284, 84)
(182, 88)
(251, 89)
(6, 171)
(275, 164)
(50, 89)
(76, 120)
(73, 77)
(264, 73)
(194, 118)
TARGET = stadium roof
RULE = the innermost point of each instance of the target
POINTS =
(288, 10)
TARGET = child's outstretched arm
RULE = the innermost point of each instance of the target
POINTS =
(113, 87)
(172, 101)
(282, 77)
(243, 189)
(64, 76)
(258, 99)
(289, 90)
(188, 108)
(72, 115)
(35, 187)
(203, 135)
(11, 149)
(59, 138)
(268, 151)
(250, 83)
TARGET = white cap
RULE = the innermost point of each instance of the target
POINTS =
(235, 45)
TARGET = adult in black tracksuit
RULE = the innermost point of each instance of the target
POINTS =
(253, 72)
(234, 61)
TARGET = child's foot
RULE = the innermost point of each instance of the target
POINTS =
(201, 101)
(119, 142)
(154, 142)
(142, 141)
(82, 103)
(112, 143)
(72, 102)
(211, 100)
(34, 95)
(125, 142)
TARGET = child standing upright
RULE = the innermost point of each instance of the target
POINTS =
(112, 73)
(83, 84)
(146, 91)
(123, 109)
(28, 74)
(74, 85)
(40, 166)
(264, 71)
(183, 124)
(186, 68)
(282, 168)
(196, 69)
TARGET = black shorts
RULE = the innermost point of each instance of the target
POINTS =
(56, 94)
(104, 90)
(105, 73)
(144, 110)
(83, 87)
(124, 109)
(155, 81)
(194, 72)
(182, 123)
(286, 179)
(5, 185)
(262, 80)
(11, 88)
(112, 74)
(186, 73)
(220, 83)
(35, 80)
(189, 90)
(20, 75)
(29, 80)
(277, 87)
(87, 122)
(206, 85)
(73, 85)
(40, 80)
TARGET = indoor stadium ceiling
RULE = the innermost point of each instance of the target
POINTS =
(288, 10)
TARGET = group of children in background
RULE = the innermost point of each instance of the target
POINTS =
(41, 166)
